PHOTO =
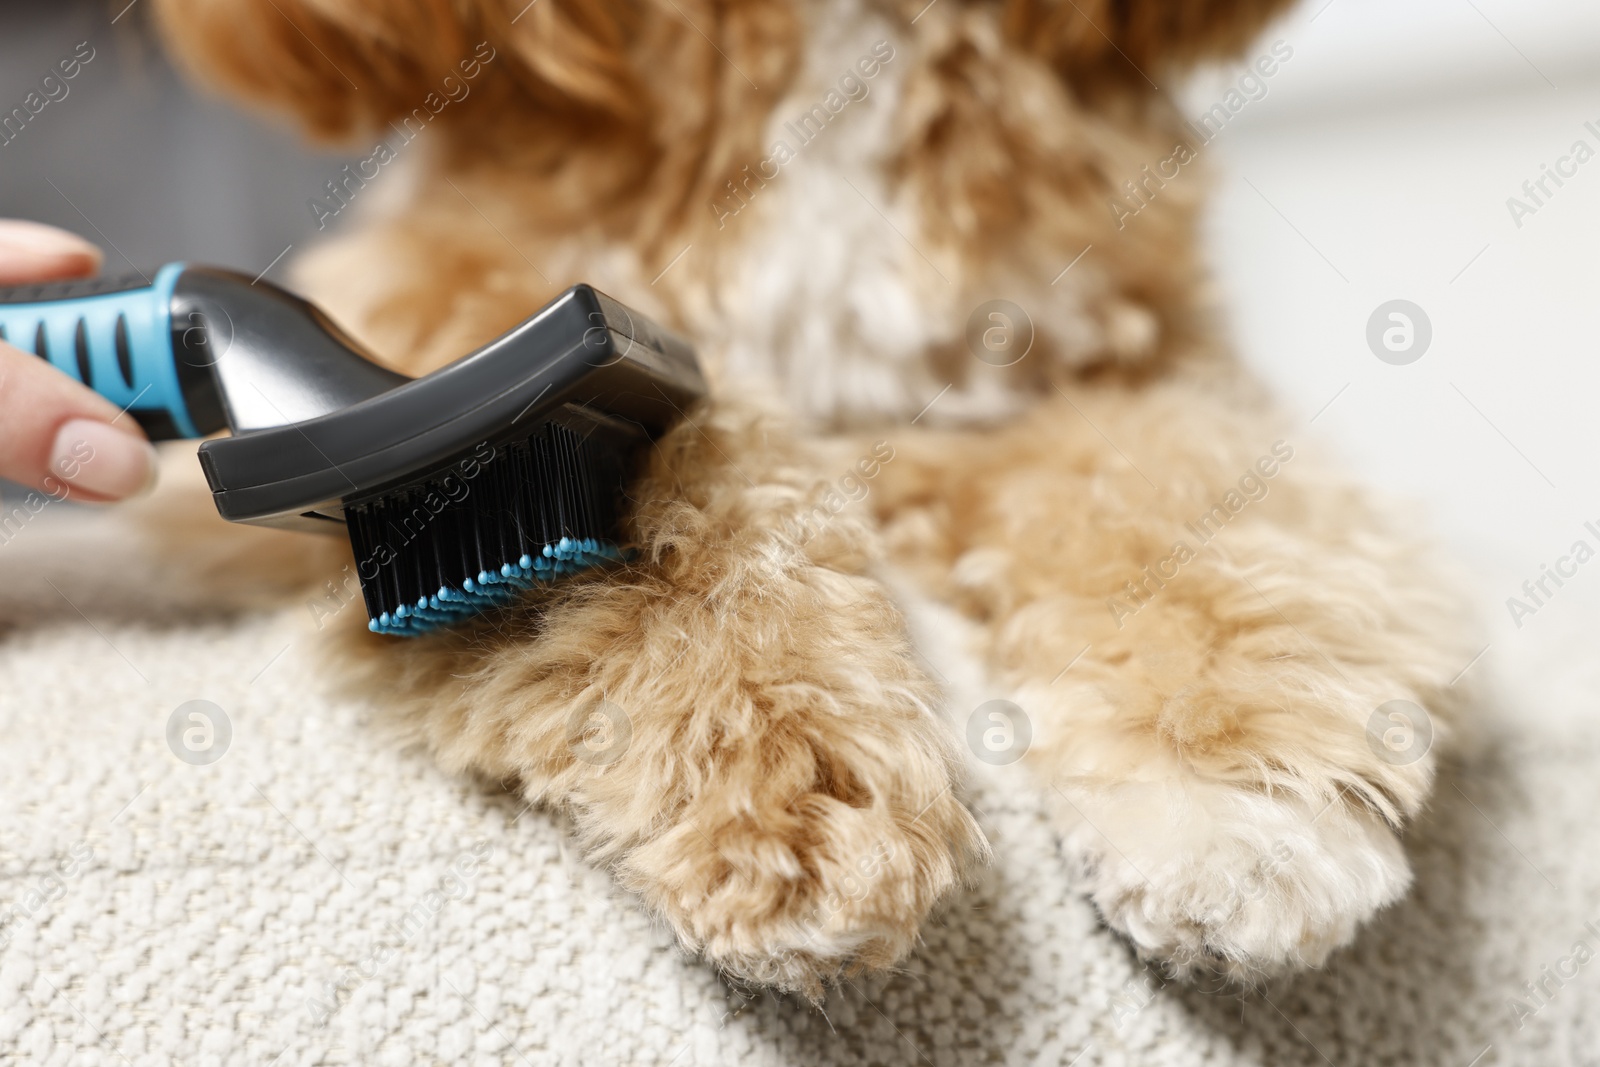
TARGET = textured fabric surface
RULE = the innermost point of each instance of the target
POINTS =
(320, 895)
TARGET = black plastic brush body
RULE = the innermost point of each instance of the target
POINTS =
(458, 490)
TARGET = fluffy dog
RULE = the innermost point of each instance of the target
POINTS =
(828, 196)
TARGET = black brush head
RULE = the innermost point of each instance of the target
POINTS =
(500, 521)
(465, 487)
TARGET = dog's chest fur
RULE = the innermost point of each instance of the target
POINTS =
(817, 272)
(826, 286)
(827, 297)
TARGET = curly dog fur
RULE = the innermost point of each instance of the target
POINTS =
(820, 193)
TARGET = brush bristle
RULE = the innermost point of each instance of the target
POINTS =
(479, 534)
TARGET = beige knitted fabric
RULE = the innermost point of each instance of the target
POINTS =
(318, 896)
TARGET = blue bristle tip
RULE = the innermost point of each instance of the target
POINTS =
(492, 588)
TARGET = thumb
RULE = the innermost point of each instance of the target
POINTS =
(61, 438)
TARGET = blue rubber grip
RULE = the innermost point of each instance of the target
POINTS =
(118, 343)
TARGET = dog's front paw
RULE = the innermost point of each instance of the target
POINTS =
(735, 720)
(800, 893)
(1212, 878)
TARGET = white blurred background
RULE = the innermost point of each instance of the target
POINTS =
(1378, 167)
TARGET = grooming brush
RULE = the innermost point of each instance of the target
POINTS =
(458, 490)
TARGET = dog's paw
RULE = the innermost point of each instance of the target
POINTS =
(825, 887)
(1207, 878)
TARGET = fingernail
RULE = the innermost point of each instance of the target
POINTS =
(34, 240)
(101, 459)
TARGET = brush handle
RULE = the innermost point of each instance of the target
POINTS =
(192, 350)
(118, 336)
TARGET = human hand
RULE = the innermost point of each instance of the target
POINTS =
(56, 435)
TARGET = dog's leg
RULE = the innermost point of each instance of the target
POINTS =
(735, 719)
(1206, 636)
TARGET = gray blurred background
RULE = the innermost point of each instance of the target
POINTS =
(134, 160)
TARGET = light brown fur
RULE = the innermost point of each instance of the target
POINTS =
(788, 798)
